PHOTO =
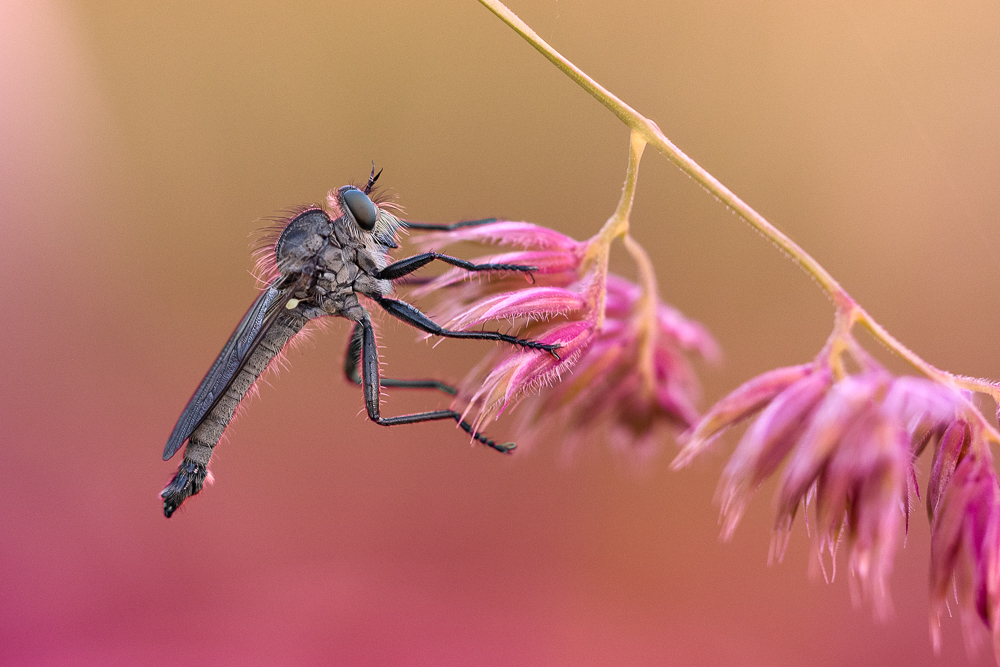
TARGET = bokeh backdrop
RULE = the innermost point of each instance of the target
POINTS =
(141, 143)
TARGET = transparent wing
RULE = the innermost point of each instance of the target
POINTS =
(248, 334)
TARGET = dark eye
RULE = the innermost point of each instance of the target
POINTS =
(361, 208)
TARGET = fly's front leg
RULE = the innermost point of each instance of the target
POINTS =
(446, 228)
(370, 383)
(407, 266)
(353, 356)
(415, 318)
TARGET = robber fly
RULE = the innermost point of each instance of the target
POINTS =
(323, 264)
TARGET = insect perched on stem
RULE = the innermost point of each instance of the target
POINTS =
(323, 264)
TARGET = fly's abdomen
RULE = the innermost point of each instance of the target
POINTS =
(193, 469)
(207, 435)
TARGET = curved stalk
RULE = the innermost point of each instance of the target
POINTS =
(599, 247)
(646, 312)
(648, 131)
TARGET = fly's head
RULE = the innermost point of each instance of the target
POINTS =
(364, 217)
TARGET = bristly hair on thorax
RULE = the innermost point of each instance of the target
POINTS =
(265, 239)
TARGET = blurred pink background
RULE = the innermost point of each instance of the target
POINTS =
(141, 143)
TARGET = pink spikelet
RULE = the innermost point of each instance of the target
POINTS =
(621, 372)
(613, 392)
(965, 533)
(747, 400)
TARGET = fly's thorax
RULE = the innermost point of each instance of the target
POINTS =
(301, 241)
(342, 256)
(335, 272)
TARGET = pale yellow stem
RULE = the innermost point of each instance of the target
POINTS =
(617, 224)
(646, 313)
(649, 131)
(645, 129)
(599, 247)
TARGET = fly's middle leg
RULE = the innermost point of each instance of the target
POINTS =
(412, 316)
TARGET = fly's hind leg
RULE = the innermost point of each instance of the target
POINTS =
(371, 382)
(353, 356)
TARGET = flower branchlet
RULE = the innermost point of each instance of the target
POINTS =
(848, 442)
(846, 434)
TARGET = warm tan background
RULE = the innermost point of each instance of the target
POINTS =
(141, 141)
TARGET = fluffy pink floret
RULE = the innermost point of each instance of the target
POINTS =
(524, 371)
(522, 234)
(614, 391)
(553, 264)
(531, 303)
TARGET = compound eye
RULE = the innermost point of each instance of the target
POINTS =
(361, 208)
